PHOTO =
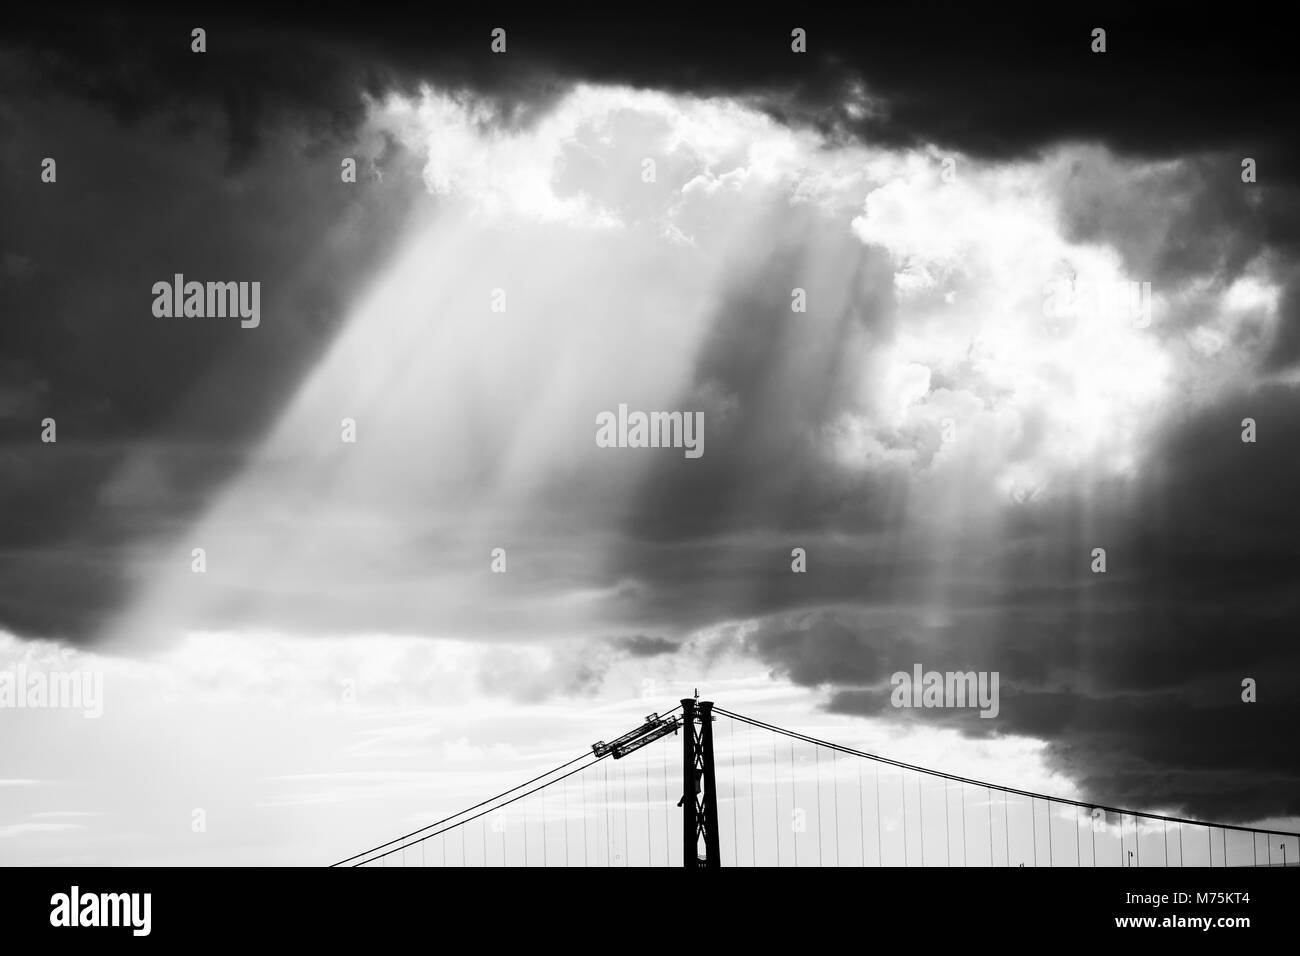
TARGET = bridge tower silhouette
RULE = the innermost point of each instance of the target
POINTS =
(699, 803)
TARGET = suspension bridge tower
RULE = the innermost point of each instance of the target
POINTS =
(700, 799)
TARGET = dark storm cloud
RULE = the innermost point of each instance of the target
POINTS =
(1175, 80)
(1133, 678)
(996, 82)
(152, 414)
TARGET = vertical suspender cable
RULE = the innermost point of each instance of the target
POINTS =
(776, 809)
(794, 799)
(609, 826)
(920, 811)
(963, 825)
(862, 818)
(583, 792)
(880, 850)
(1078, 850)
(668, 852)
(1050, 860)
(818, 761)
(753, 827)
(1006, 825)
(947, 822)
(988, 791)
(835, 801)
(902, 795)
(735, 803)
(1033, 817)
(649, 855)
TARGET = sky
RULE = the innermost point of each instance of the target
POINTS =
(1038, 302)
